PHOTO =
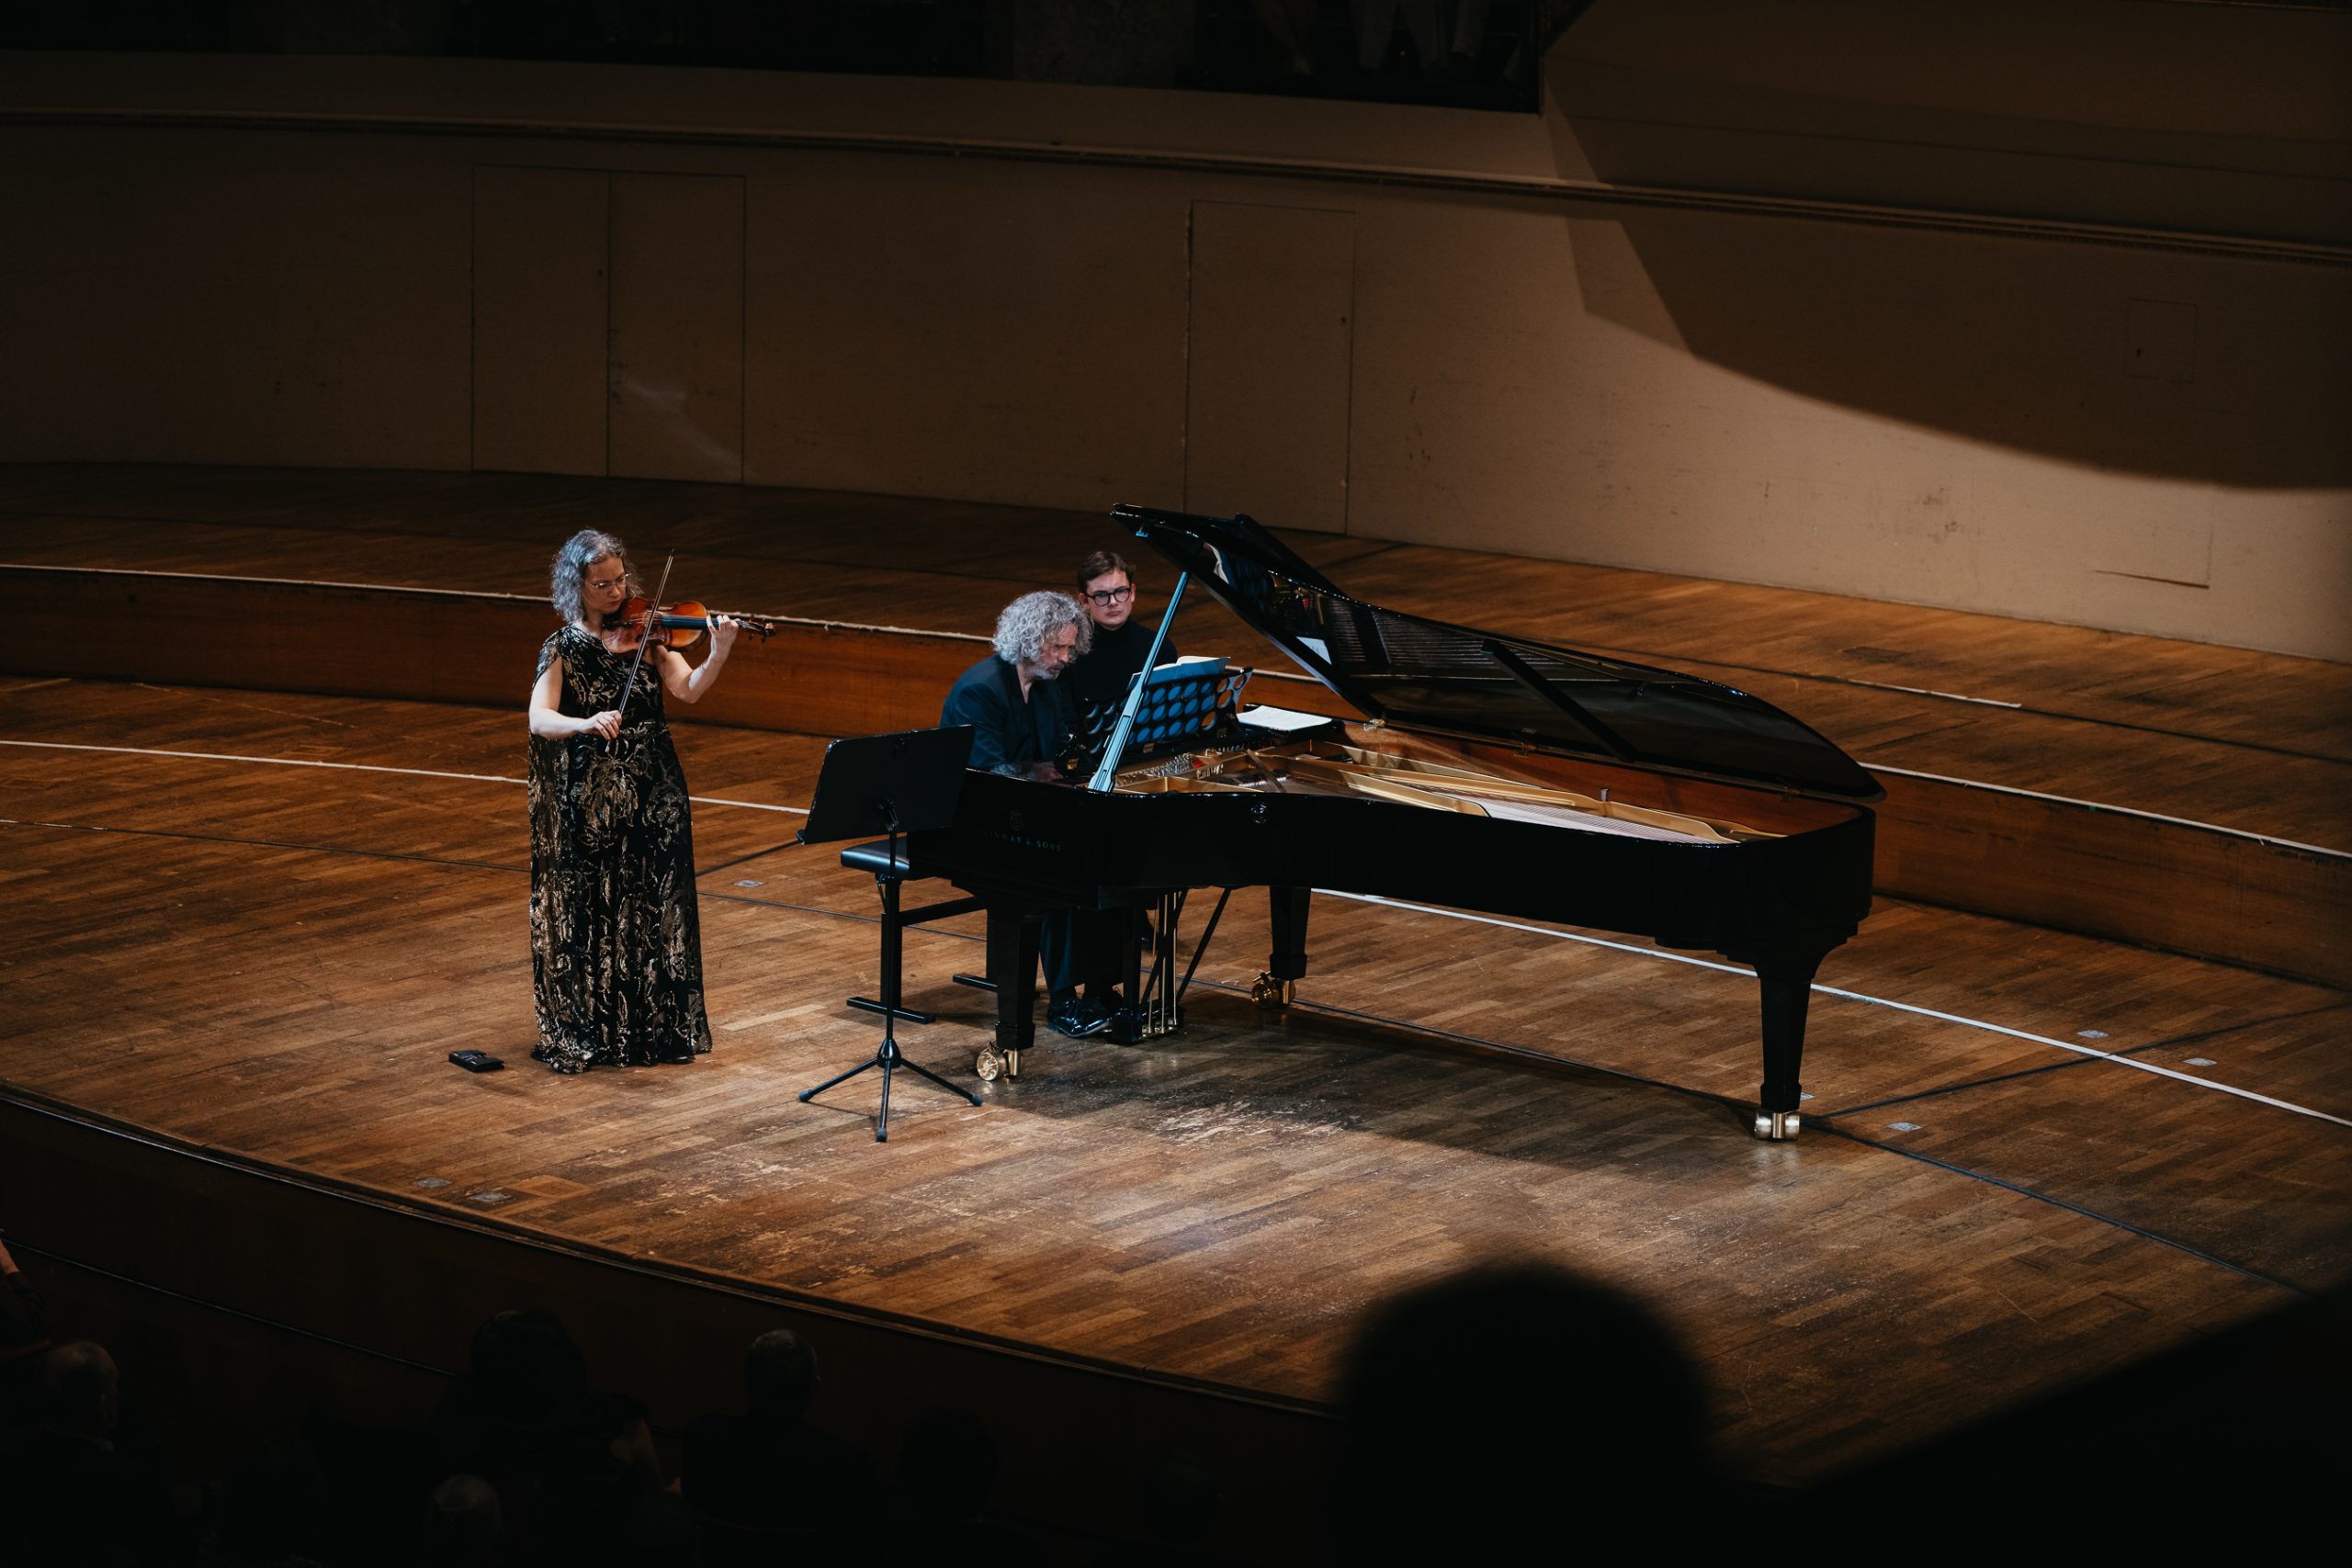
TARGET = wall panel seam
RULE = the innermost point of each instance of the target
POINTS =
(1441, 181)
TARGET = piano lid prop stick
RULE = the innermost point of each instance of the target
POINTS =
(1105, 774)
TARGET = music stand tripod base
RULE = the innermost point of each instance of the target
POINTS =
(895, 783)
(889, 1058)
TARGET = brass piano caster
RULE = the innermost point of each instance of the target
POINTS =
(1012, 1064)
(989, 1064)
(1270, 992)
(1778, 1126)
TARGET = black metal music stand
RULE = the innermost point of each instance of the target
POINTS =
(894, 784)
(1166, 707)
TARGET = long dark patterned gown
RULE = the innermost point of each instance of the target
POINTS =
(616, 947)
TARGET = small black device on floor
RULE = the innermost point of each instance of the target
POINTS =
(476, 1061)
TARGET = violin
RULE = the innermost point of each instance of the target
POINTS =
(672, 626)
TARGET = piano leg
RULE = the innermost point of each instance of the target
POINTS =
(1278, 987)
(1151, 993)
(1123, 935)
(1012, 965)
(1787, 980)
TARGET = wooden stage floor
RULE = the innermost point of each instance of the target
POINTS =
(274, 959)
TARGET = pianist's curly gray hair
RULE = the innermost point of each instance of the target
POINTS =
(1028, 621)
(567, 573)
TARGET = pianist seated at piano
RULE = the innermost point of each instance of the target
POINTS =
(1021, 726)
(1021, 723)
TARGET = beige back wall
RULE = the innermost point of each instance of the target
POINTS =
(1496, 331)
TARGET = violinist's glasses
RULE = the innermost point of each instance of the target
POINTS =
(1106, 597)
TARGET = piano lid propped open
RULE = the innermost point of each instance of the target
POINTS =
(1429, 675)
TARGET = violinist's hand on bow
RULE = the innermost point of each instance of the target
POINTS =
(607, 724)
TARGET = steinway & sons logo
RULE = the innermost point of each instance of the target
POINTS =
(1015, 831)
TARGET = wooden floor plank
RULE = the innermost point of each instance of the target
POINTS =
(2272, 1195)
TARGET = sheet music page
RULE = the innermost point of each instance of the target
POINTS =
(1282, 721)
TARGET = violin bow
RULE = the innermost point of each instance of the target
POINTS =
(645, 636)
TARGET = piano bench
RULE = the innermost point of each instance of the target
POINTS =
(877, 859)
(888, 873)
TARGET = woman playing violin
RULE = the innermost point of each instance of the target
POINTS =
(615, 945)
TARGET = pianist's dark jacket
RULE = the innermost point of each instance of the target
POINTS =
(1007, 733)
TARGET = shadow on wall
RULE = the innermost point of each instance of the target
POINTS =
(2231, 369)
(2226, 371)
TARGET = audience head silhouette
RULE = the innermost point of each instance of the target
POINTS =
(81, 1393)
(1519, 1371)
(527, 1368)
(463, 1522)
(779, 1376)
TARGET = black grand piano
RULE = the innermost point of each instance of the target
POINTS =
(1490, 773)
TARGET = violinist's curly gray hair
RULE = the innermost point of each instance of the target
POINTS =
(567, 573)
(1028, 621)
